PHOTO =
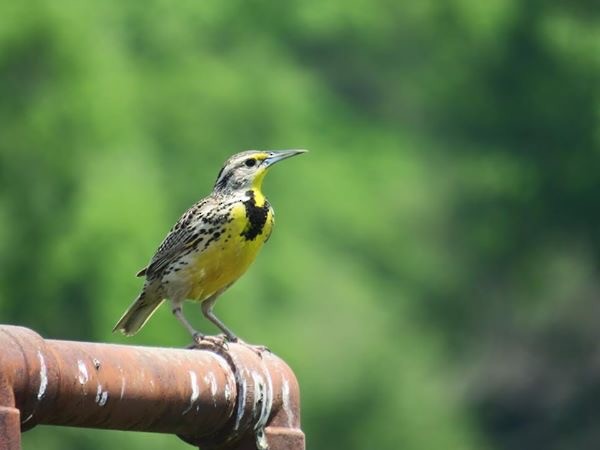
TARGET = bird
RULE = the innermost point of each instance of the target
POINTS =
(211, 245)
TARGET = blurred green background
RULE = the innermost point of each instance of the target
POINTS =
(433, 277)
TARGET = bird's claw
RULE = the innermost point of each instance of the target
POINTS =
(204, 342)
(220, 343)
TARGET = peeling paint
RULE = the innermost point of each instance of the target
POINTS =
(195, 391)
(211, 381)
(123, 383)
(258, 390)
(83, 374)
(263, 389)
(241, 405)
(103, 399)
(226, 369)
(269, 396)
(43, 377)
(261, 440)
(242, 389)
(227, 392)
(101, 396)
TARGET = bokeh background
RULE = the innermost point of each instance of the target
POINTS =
(433, 277)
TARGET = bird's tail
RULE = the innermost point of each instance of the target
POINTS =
(137, 314)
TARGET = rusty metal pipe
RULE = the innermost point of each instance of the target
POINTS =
(233, 400)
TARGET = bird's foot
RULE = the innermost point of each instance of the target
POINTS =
(220, 343)
(204, 342)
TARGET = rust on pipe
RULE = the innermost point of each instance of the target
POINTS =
(10, 435)
(232, 399)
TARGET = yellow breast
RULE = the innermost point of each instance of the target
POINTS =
(226, 258)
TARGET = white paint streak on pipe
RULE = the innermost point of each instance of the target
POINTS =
(195, 391)
(227, 392)
(83, 374)
(43, 376)
(264, 396)
(211, 382)
(101, 396)
(226, 369)
(258, 391)
(241, 405)
(123, 383)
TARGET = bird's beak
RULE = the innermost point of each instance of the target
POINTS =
(276, 156)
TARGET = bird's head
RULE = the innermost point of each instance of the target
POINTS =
(246, 170)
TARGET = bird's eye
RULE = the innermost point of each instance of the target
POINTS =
(251, 162)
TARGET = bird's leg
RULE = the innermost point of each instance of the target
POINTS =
(207, 306)
(178, 313)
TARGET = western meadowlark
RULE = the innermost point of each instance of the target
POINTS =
(210, 246)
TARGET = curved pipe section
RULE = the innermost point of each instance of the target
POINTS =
(230, 399)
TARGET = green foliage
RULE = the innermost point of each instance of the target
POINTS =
(433, 274)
